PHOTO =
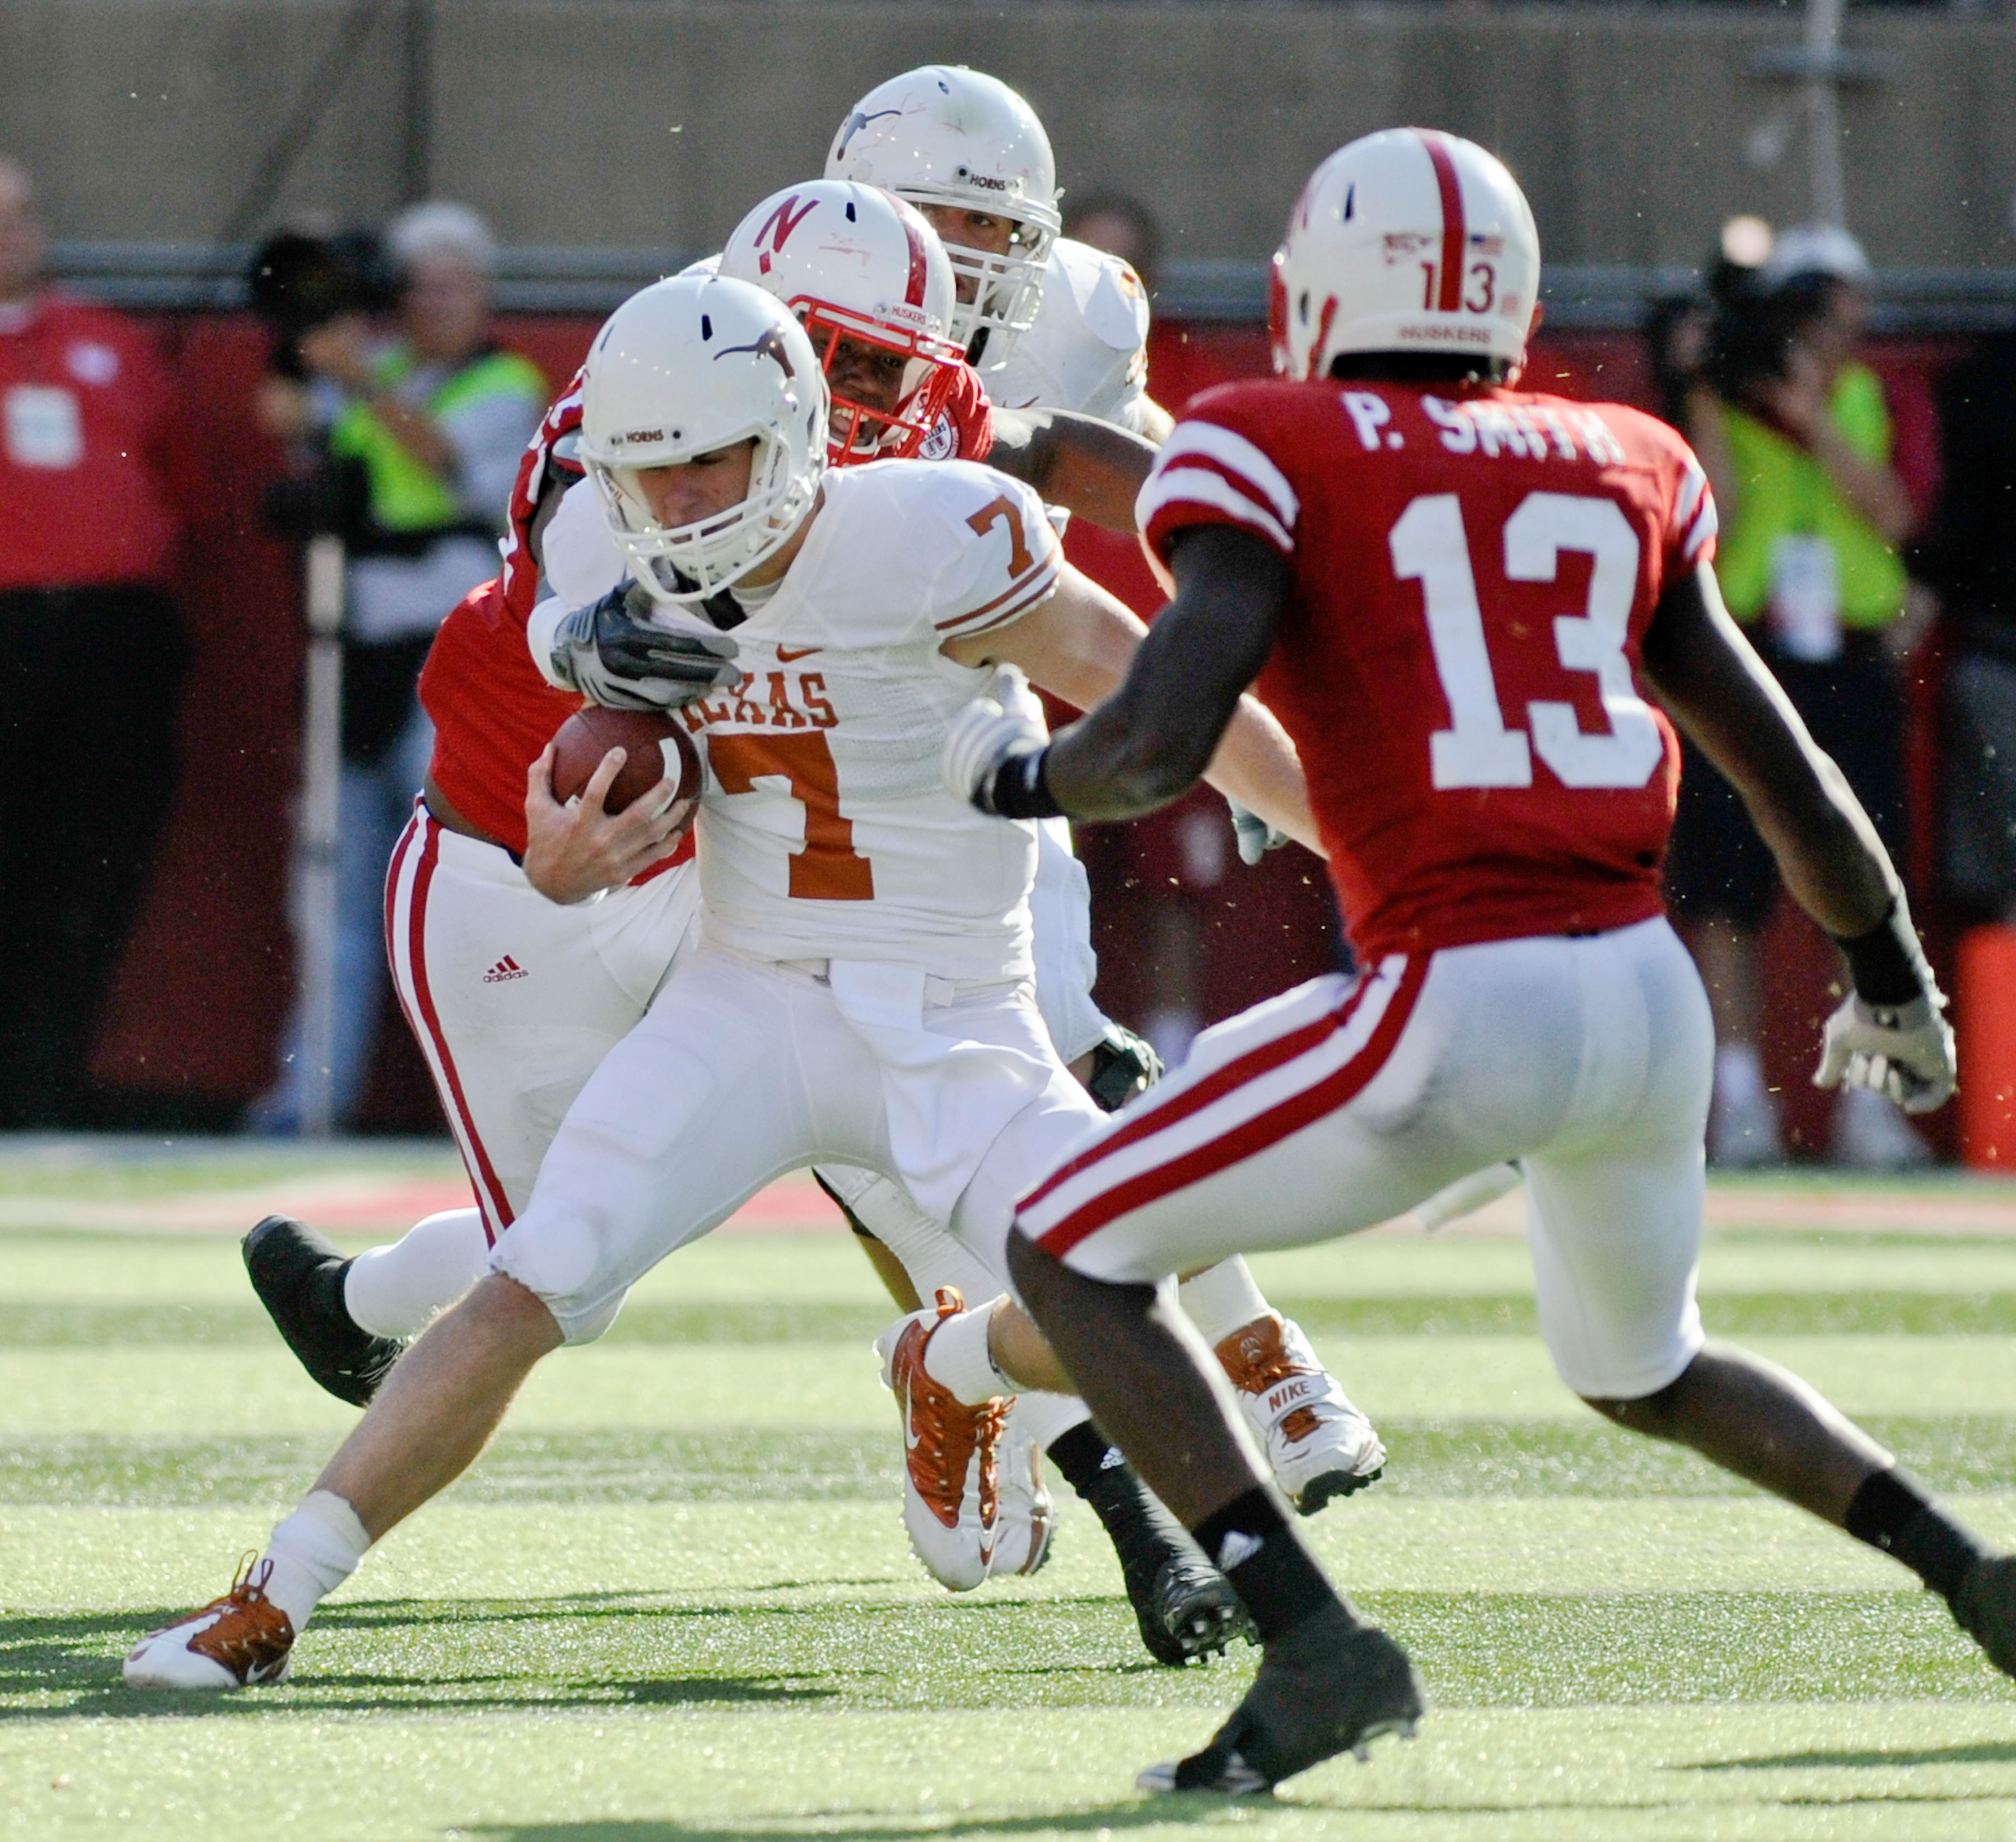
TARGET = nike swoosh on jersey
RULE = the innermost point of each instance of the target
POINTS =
(787, 653)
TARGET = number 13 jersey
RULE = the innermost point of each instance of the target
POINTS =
(826, 831)
(1472, 574)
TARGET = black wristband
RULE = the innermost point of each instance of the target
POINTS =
(1881, 968)
(1021, 788)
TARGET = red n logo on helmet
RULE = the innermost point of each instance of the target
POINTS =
(784, 222)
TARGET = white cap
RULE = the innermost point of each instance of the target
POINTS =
(1816, 249)
(439, 228)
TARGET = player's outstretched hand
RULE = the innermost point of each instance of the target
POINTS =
(1904, 1052)
(578, 850)
(982, 740)
(615, 653)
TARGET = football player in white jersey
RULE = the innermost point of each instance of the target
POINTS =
(1318, 1443)
(870, 278)
(1048, 322)
(861, 986)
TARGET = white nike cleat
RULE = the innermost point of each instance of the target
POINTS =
(241, 1641)
(952, 1478)
(1318, 1444)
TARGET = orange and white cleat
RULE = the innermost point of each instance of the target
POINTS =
(951, 1469)
(241, 1641)
(1319, 1445)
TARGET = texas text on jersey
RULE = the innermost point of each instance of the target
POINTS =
(826, 823)
(1478, 754)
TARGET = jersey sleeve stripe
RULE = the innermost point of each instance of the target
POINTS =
(1003, 608)
(1702, 532)
(1237, 455)
(1693, 483)
(1198, 486)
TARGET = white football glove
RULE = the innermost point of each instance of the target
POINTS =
(1255, 837)
(615, 653)
(984, 738)
(1904, 1052)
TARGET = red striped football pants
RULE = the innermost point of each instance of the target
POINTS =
(1345, 1102)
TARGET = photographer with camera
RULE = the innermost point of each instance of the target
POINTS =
(1796, 437)
(407, 448)
(91, 655)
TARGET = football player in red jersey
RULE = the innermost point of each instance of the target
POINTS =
(1451, 592)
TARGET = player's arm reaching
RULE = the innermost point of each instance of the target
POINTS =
(1889, 1035)
(1096, 468)
(1078, 645)
(1155, 736)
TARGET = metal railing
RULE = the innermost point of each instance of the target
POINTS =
(184, 277)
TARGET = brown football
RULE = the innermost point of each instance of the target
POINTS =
(657, 747)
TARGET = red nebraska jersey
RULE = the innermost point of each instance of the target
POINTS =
(492, 712)
(84, 410)
(1472, 576)
(492, 709)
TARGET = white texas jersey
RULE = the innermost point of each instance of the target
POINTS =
(826, 831)
(1089, 349)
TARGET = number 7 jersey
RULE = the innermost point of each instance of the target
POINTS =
(826, 831)
(1473, 574)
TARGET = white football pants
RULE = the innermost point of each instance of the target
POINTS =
(1347, 1102)
(744, 1070)
(515, 999)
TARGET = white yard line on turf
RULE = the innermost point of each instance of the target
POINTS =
(349, 1203)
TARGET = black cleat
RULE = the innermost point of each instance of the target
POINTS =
(298, 1276)
(1985, 1608)
(1330, 1686)
(1189, 1610)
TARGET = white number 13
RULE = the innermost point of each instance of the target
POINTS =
(1429, 546)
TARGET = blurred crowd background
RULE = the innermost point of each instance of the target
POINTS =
(1791, 233)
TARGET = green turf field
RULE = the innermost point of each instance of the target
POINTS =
(674, 1601)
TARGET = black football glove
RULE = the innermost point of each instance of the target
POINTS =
(1123, 1065)
(613, 654)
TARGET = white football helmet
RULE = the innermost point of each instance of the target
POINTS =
(686, 367)
(1408, 240)
(946, 136)
(854, 262)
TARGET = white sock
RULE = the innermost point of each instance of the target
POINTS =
(958, 1358)
(395, 1290)
(1045, 1418)
(1739, 1076)
(1221, 1299)
(313, 1552)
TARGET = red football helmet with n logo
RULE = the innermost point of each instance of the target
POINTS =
(872, 285)
(1407, 240)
